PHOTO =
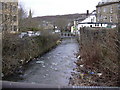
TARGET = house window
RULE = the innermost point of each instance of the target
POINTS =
(14, 18)
(14, 8)
(1, 18)
(5, 27)
(111, 10)
(15, 28)
(105, 10)
(98, 10)
(110, 18)
(5, 6)
(5, 17)
(0, 5)
(105, 17)
(118, 6)
(11, 18)
(1, 27)
(101, 17)
(10, 7)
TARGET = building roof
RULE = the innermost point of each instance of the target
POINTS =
(91, 16)
(107, 2)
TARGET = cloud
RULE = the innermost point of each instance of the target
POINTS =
(55, 7)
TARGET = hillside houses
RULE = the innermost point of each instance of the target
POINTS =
(106, 15)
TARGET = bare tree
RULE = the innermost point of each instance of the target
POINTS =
(61, 23)
(22, 15)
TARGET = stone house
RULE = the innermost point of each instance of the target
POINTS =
(9, 15)
(107, 11)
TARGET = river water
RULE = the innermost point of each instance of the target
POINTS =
(54, 67)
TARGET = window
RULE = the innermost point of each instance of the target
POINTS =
(5, 27)
(90, 25)
(110, 18)
(14, 18)
(98, 10)
(0, 5)
(10, 7)
(1, 28)
(15, 28)
(0, 18)
(111, 10)
(10, 17)
(101, 17)
(105, 17)
(118, 6)
(5, 17)
(5, 6)
(14, 8)
(105, 10)
(11, 28)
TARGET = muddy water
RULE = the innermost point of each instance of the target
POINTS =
(53, 68)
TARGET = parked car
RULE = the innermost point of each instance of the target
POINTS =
(30, 33)
(23, 34)
(37, 33)
(57, 31)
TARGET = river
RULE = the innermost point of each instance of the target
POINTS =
(54, 67)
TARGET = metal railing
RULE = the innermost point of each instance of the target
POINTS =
(8, 84)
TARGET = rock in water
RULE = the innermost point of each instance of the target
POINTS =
(39, 62)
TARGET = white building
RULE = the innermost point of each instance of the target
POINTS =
(90, 21)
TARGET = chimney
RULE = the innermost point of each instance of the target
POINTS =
(87, 12)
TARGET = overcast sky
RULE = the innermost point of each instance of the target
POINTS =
(59, 7)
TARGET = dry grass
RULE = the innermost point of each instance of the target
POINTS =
(99, 53)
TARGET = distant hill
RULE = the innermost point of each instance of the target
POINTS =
(61, 21)
(68, 17)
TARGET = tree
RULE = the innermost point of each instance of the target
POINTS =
(22, 15)
(26, 23)
(61, 23)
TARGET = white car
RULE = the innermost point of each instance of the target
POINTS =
(23, 34)
(37, 34)
(30, 33)
(57, 31)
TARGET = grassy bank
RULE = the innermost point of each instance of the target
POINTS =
(17, 51)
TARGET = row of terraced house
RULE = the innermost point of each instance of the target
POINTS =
(9, 15)
(106, 15)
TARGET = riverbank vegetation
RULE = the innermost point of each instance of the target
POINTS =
(18, 51)
(98, 63)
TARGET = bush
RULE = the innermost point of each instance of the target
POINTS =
(17, 51)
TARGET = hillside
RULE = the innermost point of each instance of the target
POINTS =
(68, 17)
